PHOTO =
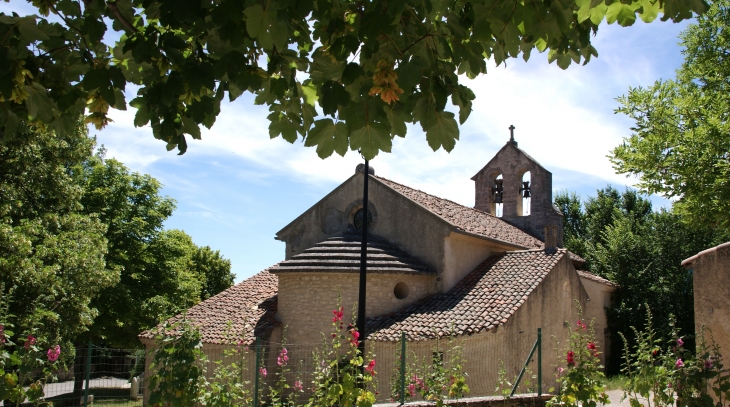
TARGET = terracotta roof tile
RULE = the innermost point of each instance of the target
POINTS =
(467, 219)
(596, 278)
(342, 255)
(485, 298)
(249, 305)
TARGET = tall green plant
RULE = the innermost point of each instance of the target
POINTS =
(581, 382)
(227, 387)
(341, 375)
(665, 372)
(179, 364)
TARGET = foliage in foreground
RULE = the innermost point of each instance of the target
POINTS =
(581, 382)
(24, 370)
(436, 378)
(373, 67)
(680, 141)
(623, 240)
(665, 372)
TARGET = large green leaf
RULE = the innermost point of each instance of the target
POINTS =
(441, 131)
(333, 95)
(329, 137)
(371, 139)
(39, 105)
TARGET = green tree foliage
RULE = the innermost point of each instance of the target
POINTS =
(83, 251)
(623, 240)
(215, 269)
(162, 271)
(680, 145)
(51, 257)
(371, 66)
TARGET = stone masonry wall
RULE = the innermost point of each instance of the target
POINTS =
(306, 300)
(512, 163)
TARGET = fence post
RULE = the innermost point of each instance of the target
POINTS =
(256, 374)
(522, 372)
(402, 368)
(539, 362)
(88, 375)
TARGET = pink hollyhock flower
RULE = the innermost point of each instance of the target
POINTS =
(298, 386)
(570, 358)
(680, 342)
(679, 364)
(708, 364)
(53, 353)
(338, 314)
(370, 368)
(355, 336)
(262, 371)
(412, 390)
(591, 346)
(30, 341)
(283, 357)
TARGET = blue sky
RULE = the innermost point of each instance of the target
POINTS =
(236, 188)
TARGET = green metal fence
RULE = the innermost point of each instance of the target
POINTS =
(116, 376)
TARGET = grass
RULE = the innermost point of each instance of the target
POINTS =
(616, 382)
(118, 402)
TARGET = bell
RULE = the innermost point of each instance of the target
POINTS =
(525, 189)
(498, 198)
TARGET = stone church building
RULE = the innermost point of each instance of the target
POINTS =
(491, 274)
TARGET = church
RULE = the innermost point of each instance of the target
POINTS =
(491, 274)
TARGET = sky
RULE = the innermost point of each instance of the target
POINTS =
(236, 188)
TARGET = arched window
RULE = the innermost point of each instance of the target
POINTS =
(498, 195)
(523, 203)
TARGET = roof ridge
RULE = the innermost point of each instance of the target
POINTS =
(444, 199)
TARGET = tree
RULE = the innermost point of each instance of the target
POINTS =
(680, 145)
(625, 241)
(214, 269)
(162, 271)
(51, 257)
(372, 66)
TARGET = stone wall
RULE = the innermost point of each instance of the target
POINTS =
(407, 225)
(552, 306)
(306, 300)
(711, 276)
(600, 298)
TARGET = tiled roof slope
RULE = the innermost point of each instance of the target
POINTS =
(468, 219)
(342, 255)
(250, 306)
(598, 279)
(484, 299)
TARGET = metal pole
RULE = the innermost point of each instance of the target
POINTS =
(88, 374)
(402, 368)
(522, 372)
(256, 374)
(363, 262)
(539, 362)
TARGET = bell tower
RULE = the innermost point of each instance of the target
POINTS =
(518, 189)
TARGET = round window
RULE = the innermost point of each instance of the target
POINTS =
(401, 291)
(357, 219)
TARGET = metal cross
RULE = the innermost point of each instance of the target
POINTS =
(512, 133)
